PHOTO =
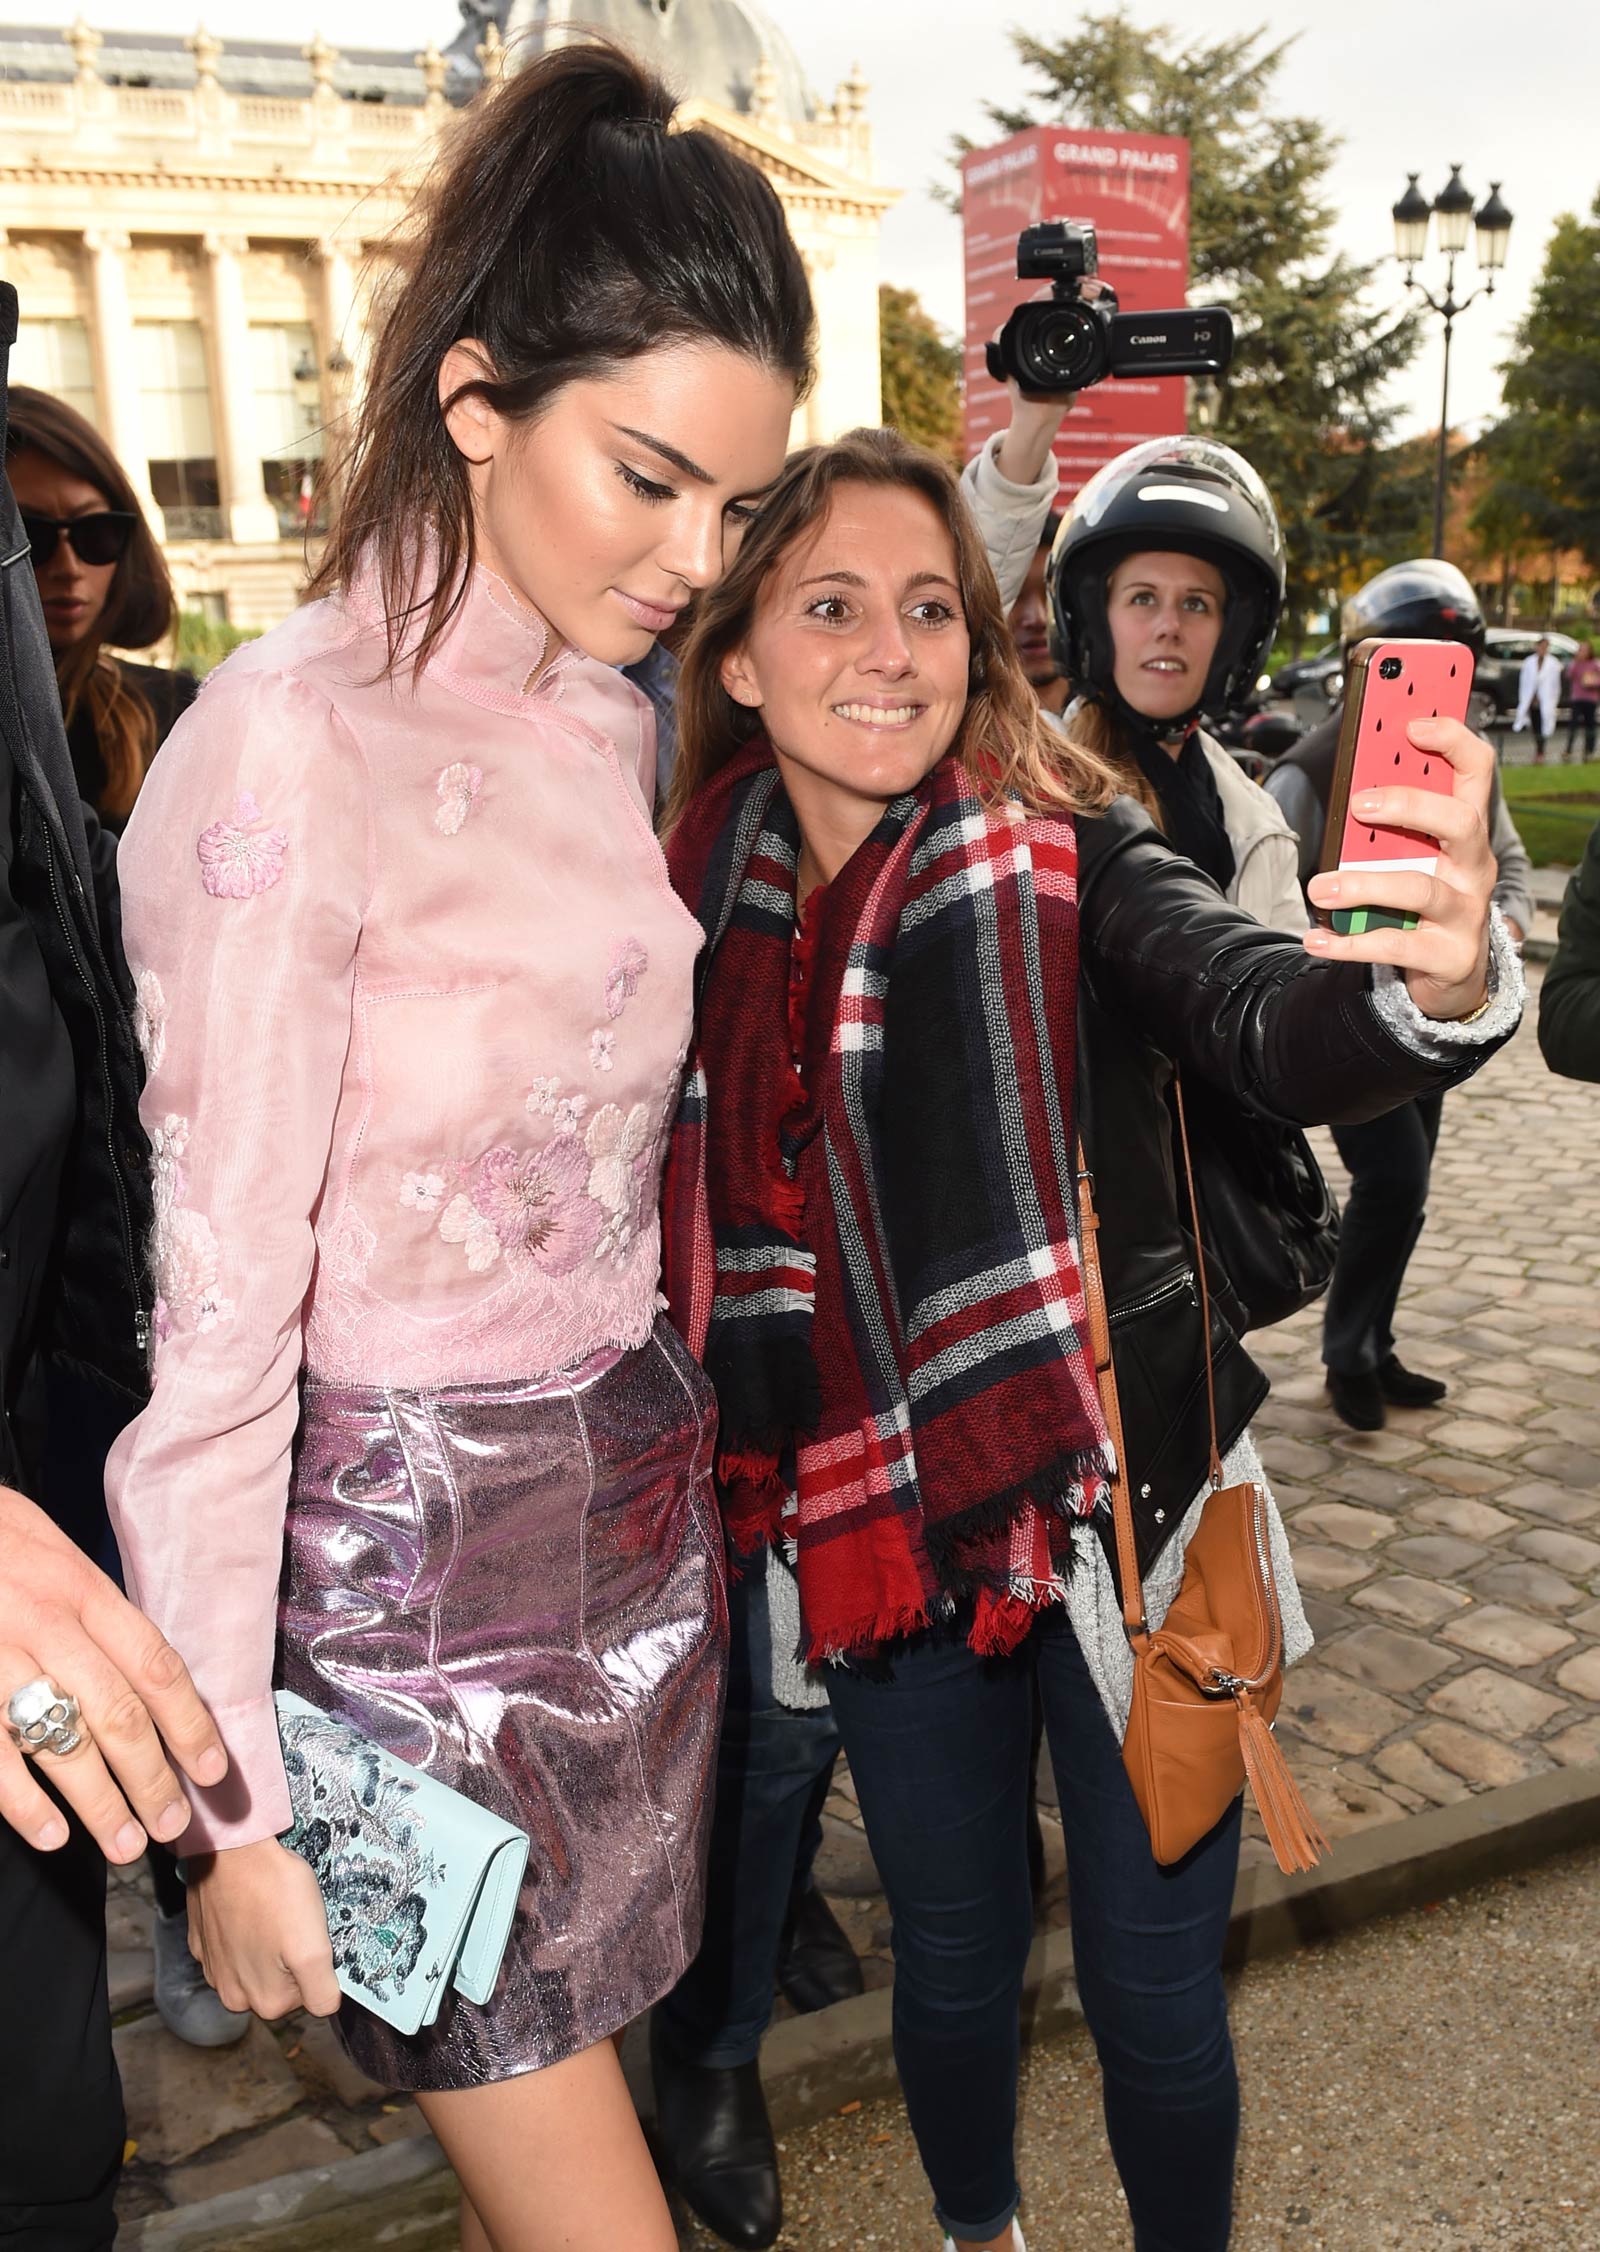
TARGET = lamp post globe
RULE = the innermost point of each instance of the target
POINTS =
(1411, 216)
(1452, 207)
(1493, 224)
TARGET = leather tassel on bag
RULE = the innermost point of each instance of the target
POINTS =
(1207, 1683)
(1293, 1833)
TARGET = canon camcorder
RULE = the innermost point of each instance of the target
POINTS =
(1067, 341)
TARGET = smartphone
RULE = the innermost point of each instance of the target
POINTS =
(1389, 683)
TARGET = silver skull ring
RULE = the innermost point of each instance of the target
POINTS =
(42, 1718)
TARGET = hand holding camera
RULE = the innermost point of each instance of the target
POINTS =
(1077, 336)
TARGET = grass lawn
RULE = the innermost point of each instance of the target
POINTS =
(1554, 808)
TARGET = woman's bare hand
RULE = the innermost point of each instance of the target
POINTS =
(1445, 959)
(258, 1929)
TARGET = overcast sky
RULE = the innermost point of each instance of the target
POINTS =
(1511, 92)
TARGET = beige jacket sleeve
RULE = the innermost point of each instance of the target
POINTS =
(1009, 517)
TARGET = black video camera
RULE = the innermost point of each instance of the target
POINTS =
(1069, 341)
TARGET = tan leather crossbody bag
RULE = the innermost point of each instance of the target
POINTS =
(1207, 1682)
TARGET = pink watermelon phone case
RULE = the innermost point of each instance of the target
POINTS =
(1391, 683)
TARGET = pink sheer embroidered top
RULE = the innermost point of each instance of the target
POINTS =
(414, 995)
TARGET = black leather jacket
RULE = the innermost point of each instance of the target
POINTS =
(94, 1316)
(1171, 973)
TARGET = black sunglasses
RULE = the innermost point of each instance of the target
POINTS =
(100, 537)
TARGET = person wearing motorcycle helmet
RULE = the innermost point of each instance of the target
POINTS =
(1389, 1159)
(1423, 600)
(1166, 583)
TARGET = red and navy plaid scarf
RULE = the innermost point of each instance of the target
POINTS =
(875, 1255)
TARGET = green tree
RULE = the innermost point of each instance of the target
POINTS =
(921, 373)
(1303, 399)
(1544, 457)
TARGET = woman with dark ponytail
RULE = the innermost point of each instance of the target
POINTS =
(103, 584)
(414, 993)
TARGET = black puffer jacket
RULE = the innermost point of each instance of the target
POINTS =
(62, 876)
(1172, 974)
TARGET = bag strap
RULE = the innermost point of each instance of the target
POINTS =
(1105, 1368)
(1094, 1291)
(1200, 1270)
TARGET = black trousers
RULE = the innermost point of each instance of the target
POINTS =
(61, 2118)
(1390, 1159)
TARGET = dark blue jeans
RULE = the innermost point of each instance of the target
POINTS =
(938, 1745)
(773, 1771)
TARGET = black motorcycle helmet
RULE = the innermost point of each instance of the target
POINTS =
(1186, 496)
(1427, 600)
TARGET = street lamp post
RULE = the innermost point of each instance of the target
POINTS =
(1452, 207)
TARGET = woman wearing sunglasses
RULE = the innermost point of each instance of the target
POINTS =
(104, 584)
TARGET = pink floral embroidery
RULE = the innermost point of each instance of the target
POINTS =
(569, 1113)
(615, 1143)
(150, 1019)
(600, 1047)
(184, 1254)
(527, 1205)
(542, 1098)
(422, 1192)
(458, 788)
(239, 857)
(628, 965)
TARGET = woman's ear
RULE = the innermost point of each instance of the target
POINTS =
(739, 680)
(475, 426)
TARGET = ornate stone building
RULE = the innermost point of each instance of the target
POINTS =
(196, 234)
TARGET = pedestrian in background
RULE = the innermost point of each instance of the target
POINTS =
(104, 585)
(1569, 1003)
(1538, 696)
(1583, 699)
(1390, 1159)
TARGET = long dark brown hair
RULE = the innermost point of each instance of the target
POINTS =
(1003, 741)
(138, 607)
(564, 229)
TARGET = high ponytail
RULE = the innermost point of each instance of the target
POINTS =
(566, 229)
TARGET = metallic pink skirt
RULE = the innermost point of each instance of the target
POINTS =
(519, 1588)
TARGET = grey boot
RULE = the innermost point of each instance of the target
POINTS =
(186, 2004)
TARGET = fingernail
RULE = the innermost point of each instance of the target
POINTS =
(171, 1820)
(1327, 887)
(128, 1843)
(53, 1835)
(1366, 803)
(1318, 941)
(212, 1765)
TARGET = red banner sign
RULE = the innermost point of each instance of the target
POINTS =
(1133, 189)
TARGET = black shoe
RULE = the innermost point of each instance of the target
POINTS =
(715, 2143)
(1403, 1387)
(816, 1962)
(1356, 1400)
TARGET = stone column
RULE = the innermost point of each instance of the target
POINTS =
(116, 367)
(250, 516)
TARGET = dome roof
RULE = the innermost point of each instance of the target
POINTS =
(709, 48)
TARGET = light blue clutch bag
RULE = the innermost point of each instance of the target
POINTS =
(419, 1883)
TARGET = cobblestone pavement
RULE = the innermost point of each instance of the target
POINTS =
(1451, 1565)
(1423, 2085)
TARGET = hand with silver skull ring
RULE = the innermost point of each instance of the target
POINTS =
(43, 1718)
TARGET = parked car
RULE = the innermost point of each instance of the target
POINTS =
(1499, 670)
(1308, 673)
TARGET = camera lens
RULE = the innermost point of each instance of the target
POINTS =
(1061, 348)
(1390, 669)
